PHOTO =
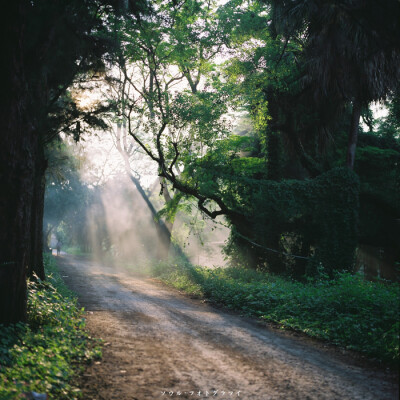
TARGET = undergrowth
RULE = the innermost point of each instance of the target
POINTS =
(43, 354)
(347, 310)
(75, 251)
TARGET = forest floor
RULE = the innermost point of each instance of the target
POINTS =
(160, 344)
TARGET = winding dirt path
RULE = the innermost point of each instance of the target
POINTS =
(161, 344)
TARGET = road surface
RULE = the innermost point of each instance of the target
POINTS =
(162, 344)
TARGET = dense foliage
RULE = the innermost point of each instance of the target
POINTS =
(377, 164)
(316, 219)
(43, 354)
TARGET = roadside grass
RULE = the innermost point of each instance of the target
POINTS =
(75, 251)
(43, 354)
(346, 311)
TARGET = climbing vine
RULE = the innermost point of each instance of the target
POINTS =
(298, 227)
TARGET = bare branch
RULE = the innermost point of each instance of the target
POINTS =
(138, 141)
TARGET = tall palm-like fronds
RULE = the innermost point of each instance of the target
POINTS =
(352, 49)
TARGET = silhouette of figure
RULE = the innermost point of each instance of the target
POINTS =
(58, 247)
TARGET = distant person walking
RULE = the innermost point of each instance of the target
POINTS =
(58, 247)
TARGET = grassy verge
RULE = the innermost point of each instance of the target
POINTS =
(44, 354)
(75, 251)
(347, 311)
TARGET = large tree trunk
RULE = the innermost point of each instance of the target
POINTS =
(17, 164)
(16, 182)
(36, 256)
(353, 134)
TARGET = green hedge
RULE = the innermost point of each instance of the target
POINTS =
(315, 218)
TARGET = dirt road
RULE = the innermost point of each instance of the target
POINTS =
(161, 344)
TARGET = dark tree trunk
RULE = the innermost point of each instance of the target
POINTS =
(17, 164)
(301, 263)
(353, 134)
(36, 256)
(46, 239)
(16, 182)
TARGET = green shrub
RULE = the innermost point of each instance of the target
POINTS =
(43, 354)
(346, 310)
